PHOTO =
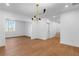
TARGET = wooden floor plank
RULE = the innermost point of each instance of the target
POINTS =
(23, 46)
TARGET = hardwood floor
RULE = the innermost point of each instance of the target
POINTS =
(23, 46)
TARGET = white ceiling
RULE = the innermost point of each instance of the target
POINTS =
(28, 9)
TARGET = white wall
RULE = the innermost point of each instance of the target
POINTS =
(28, 28)
(39, 30)
(70, 28)
(23, 24)
(19, 29)
(54, 28)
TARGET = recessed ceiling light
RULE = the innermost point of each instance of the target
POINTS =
(7, 4)
(66, 6)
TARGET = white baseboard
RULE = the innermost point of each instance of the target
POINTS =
(2, 44)
(70, 44)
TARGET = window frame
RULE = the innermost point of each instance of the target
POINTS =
(10, 25)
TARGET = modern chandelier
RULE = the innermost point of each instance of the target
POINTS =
(36, 17)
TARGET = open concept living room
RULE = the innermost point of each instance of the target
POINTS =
(39, 29)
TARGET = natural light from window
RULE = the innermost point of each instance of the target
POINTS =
(9, 25)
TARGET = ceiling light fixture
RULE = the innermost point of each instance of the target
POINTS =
(37, 13)
(66, 6)
(7, 4)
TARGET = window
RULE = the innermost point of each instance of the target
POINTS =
(10, 25)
